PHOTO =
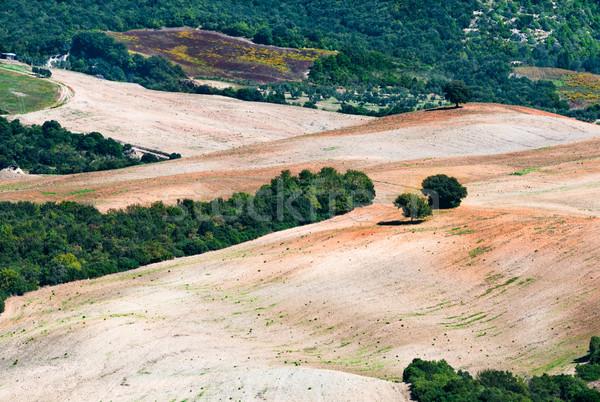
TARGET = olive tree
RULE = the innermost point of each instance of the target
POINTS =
(413, 206)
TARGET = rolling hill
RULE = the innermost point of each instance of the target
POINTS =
(335, 309)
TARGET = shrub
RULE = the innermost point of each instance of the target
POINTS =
(413, 206)
(445, 191)
(149, 158)
(588, 372)
(595, 350)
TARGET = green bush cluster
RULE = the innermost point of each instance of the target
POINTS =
(50, 149)
(42, 72)
(591, 370)
(437, 381)
(47, 244)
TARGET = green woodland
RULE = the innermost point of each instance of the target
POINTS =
(437, 381)
(47, 244)
(50, 149)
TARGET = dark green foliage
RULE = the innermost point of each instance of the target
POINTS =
(175, 155)
(309, 105)
(47, 244)
(149, 158)
(437, 381)
(413, 206)
(42, 72)
(381, 43)
(457, 92)
(444, 192)
(50, 149)
(591, 370)
(595, 350)
(588, 372)
(245, 94)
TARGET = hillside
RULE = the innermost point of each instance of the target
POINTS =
(183, 123)
(21, 92)
(210, 54)
(411, 46)
(578, 88)
(332, 309)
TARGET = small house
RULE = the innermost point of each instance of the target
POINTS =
(8, 56)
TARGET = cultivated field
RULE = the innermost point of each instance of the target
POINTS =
(173, 122)
(212, 54)
(336, 309)
(21, 92)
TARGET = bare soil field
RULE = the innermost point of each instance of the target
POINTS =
(213, 54)
(333, 310)
(174, 122)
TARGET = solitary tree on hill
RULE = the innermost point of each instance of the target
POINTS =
(457, 92)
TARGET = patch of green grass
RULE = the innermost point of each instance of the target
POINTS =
(508, 282)
(83, 191)
(478, 251)
(21, 93)
(525, 171)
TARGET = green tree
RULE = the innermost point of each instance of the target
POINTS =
(443, 192)
(595, 350)
(457, 92)
(413, 206)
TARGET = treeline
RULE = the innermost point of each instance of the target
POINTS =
(47, 244)
(250, 94)
(437, 381)
(51, 149)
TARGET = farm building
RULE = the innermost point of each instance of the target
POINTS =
(8, 56)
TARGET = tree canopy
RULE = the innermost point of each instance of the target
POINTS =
(443, 192)
(457, 92)
(47, 244)
(413, 206)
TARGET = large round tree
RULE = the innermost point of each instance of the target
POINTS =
(444, 192)
(457, 92)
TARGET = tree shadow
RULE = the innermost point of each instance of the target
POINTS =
(583, 359)
(443, 108)
(400, 223)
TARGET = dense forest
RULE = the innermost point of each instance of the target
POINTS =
(51, 149)
(419, 33)
(47, 244)
(381, 42)
(437, 381)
